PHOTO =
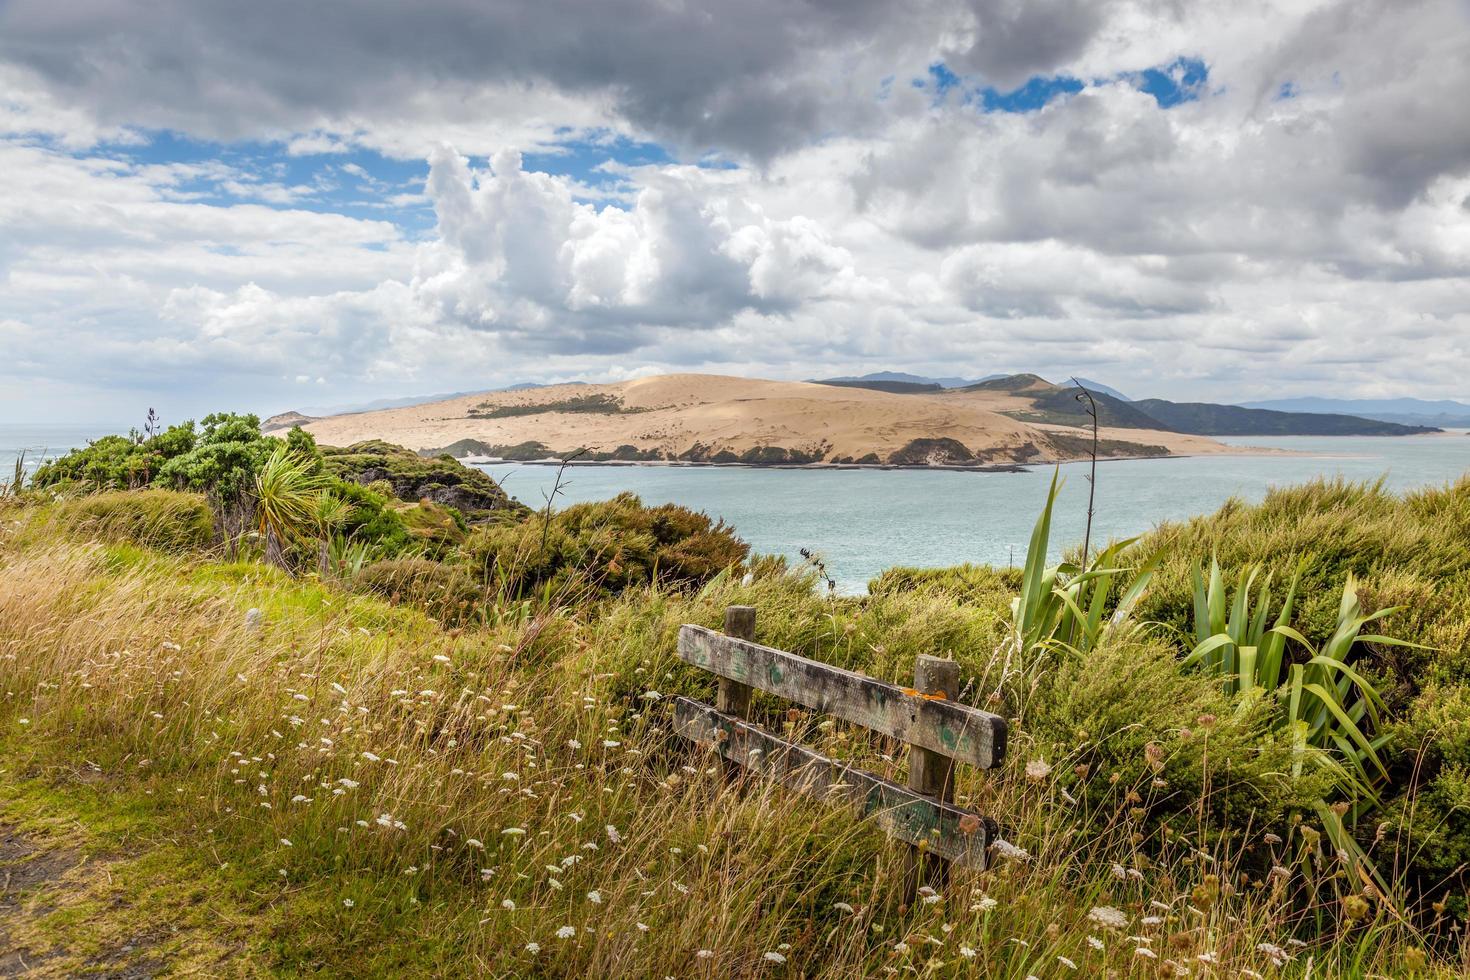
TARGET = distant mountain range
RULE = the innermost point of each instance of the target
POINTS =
(1443, 414)
(1036, 400)
(896, 377)
(899, 381)
(1205, 419)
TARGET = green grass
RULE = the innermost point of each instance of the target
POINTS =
(159, 720)
(579, 404)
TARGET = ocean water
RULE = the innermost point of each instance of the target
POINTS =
(863, 521)
(42, 440)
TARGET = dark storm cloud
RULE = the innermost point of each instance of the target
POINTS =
(744, 76)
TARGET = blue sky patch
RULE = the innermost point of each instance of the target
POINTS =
(357, 182)
(1180, 81)
(1035, 94)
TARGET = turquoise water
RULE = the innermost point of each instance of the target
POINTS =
(863, 521)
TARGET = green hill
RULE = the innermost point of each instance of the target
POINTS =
(1201, 418)
(1059, 404)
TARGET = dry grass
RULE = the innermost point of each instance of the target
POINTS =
(401, 799)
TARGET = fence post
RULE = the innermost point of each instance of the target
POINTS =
(930, 773)
(733, 697)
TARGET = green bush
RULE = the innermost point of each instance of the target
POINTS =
(1210, 754)
(161, 519)
(116, 462)
(223, 461)
(974, 584)
(1411, 551)
(610, 546)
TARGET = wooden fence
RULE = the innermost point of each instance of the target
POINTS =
(940, 733)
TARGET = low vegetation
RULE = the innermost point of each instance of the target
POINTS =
(457, 761)
(584, 404)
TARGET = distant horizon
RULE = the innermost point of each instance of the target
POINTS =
(422, 397)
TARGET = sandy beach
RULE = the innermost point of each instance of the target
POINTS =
(700, 417)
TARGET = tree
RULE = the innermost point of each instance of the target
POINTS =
(287, 497)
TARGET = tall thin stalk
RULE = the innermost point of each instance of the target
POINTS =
(555, 492)
(1083, 393)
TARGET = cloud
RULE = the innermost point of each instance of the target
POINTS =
(753, 78)
(518, 254)
(1302, 221)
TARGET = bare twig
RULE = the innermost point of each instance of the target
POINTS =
(1084, 394)
(555, 491)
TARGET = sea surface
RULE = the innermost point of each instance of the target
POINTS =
(43, 440)
(863, 521)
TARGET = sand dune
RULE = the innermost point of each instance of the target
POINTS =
(714, 418)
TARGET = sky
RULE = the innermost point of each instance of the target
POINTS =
(275, 205)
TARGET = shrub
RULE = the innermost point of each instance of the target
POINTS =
(1138, 725)
(610, 545)
(117, 462)
(971, 584)
(1411, 551)
(223, 461)
(161, 519)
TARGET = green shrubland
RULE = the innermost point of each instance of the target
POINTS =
(453, 756)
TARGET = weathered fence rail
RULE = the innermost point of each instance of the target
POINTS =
(940, 732)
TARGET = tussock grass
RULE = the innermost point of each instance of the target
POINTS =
(402, 798)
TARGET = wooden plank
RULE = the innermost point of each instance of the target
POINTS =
(942, 829)
(956, 730)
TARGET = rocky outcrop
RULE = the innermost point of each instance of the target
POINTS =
(443, 480)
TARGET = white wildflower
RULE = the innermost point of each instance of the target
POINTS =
(533, 948)
(774, 957)
(1276, 954)
(1005, 849)
(613, 835)
(595, 897)
(1106, 915)
(566, 932)
(477, 845)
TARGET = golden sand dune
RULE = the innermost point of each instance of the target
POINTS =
(714, 418)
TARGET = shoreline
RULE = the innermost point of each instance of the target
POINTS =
(832, 467)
